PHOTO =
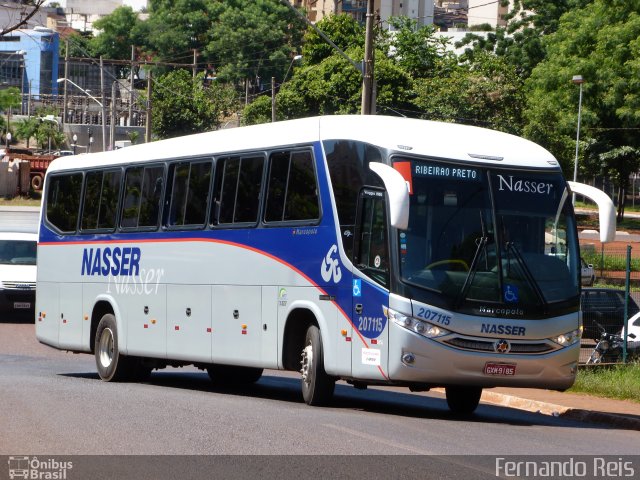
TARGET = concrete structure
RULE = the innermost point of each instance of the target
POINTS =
(81, 14)
(12, 12)
(483, 12)
(419, 10)
(36, 53)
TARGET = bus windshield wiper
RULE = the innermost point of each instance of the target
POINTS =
(527, 273)
(481, 246)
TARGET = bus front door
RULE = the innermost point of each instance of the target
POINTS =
(370, 287)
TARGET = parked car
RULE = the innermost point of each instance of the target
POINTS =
(587, 274)
(633, 328)
(606, 307)
(18, 275)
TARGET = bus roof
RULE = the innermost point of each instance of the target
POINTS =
(412, 136)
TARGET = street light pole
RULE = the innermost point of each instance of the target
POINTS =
(104, 126)
(577, 80)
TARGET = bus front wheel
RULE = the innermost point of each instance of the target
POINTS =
(111, 364)
(463, 400)
(317, 386)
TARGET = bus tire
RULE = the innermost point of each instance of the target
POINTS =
(111, 364)
(317, 386)
(233, 375)
(463, 400)
(36, 182)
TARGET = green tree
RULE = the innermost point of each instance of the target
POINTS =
(487, 93)
(9, 98)
(117, 34)
(183, 105)
(254, 39)
(176, 27)
(26, 129)
(79, 46)
(344, 32)
(601, 43)
(521, 41)
(417, 50)
(334, 87)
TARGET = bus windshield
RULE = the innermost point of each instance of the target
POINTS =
(500, 237)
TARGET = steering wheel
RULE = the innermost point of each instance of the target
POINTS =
(454, 262)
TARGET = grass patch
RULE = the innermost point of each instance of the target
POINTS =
(621, 382)
(614, 263)
(21, 201)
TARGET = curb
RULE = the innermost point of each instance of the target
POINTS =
(592, 416)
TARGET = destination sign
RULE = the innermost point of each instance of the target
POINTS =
(445, 171)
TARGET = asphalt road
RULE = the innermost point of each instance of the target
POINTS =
(53, 403)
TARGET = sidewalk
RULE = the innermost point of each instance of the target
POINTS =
(623, 414)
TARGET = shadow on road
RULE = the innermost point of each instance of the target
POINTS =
(373, 400)
(27, 318)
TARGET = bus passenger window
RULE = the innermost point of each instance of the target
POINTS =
(143, 190)
(237, 190)
(63, 201)
(248, 194)
(100, 205)
(189, 193)
(292, 191)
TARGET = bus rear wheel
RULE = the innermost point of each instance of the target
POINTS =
(463, 400)
(111, 364)
(234, 375)
(317, 386)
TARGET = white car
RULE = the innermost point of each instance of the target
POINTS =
(587, 273)
(18, 275)
(633, 327)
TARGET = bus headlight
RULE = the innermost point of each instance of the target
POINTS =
(415, 325)
(567, 339)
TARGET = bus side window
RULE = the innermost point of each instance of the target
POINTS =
(292, 191)
(143, 192)
(189, 193)
(100, 205)
(236, 196)
(63, 201)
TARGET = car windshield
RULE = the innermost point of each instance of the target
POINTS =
(18, 252)
(501, 237)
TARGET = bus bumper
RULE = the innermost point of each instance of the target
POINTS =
(436, 364)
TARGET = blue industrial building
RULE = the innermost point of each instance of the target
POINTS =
(29, 61)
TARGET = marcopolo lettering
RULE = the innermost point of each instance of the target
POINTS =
(111, 261)
(502, 329)
(524, 186)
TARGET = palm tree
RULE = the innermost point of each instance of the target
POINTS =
(26, 129)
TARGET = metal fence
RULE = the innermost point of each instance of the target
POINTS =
(614, 296)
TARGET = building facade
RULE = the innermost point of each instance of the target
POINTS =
(420, 10)
(30, 60)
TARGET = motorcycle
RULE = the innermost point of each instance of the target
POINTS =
(609, 348)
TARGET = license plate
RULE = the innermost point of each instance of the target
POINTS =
(499, 369)
(17, 305)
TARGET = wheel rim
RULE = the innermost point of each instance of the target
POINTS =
(307, 364)
(106, 348)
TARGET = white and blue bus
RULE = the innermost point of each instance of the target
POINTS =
(376, 250)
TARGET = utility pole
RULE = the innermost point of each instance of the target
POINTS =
(133, 58)
(367, 106)
(195, 63)
(104, 107)
(147, 127)
(66, 75)
(273, 99)
(112, 131)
